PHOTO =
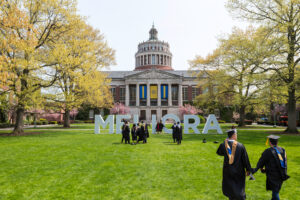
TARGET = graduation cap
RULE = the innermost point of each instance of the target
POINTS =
(273, 139)
(231, 132)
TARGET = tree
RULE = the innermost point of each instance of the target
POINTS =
(28, 30)
(81, 55)
(119, 108)
(282, 18)
(188, 109)
(235, 68)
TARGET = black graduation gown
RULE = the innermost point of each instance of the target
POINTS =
(133, 134)
(141, 133)
(123, 137)
(275, 173)
(174, 131)
(234, 175)
(126, 133)
(138, 133)
(161, 126)
(179, 133)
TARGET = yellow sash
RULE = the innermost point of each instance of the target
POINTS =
(230, 157)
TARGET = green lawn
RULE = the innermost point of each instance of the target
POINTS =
(81, 165)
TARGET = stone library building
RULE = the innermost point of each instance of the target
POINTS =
(153, 87)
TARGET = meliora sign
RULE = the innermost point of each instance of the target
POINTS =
(211, 123)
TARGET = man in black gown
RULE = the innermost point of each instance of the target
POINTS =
(174, 133)
(275, 163)
(126, 132)
(179, 133)
(235, 162)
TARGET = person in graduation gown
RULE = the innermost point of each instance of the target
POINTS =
(273, 162)
(174, 132)
(179, 133)
(123, 128)
(235, 166)
(126, 133)
(142, 133)
(134, 134)
(157, 128)
(161, 126)
(138, 133)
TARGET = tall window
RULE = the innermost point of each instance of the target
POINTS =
(113, 92)
(122, 95)
(174, 95)
(185, 93)
(194, 92)
(132, 95)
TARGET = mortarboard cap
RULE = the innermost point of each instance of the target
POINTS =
(273, 139)
(231, 132)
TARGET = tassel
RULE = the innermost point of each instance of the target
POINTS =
(267, 142)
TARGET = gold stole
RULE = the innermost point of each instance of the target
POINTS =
(230, 157)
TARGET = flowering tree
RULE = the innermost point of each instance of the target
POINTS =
(119, 108)
(188, 109)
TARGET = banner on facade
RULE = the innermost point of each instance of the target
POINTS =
(143, 92)
(164, 92)
(153, 91)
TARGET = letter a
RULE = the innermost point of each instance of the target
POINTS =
(212, 119)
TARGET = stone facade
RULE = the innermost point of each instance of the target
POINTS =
(153, 70)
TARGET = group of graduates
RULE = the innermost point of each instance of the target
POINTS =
(177, 133)
(236, 166)
(139, 132)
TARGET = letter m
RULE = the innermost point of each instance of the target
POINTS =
(99, 122)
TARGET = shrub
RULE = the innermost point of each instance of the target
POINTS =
(221, 121)
(77, 121)
(88, 121)
(248, 122)
(44, 122)
(53, 122)
(42, 119)
(6, 125)
(38, 123)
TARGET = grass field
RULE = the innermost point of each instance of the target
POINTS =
(77, 164)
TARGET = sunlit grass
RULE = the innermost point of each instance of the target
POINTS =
(78, 164)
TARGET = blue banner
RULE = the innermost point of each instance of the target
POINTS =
(143, 92)
(164, 91)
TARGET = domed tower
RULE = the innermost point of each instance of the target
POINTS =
(153, 54)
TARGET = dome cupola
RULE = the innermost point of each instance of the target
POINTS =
(153, 53)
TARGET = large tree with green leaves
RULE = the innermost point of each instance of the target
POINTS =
(282, 18)
(235, 68)
(81, 55)
(28, 30)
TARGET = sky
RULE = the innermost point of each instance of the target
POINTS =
(191, 27)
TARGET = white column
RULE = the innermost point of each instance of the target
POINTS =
(127, 95)
(148, 94)
(137, 98)
(180, 95)
(159, 95)
(170, 95)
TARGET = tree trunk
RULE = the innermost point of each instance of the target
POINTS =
(67, 118)
(292, 124)
(18, 129)
(242, 116)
